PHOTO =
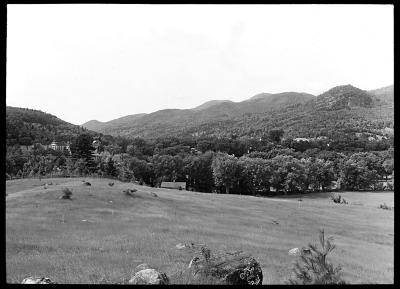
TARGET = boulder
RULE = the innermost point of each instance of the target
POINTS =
(180, 246)
(193, 262)
(154, 194)
(87, 184)
(149, 277)
(294, 252)
(228, 268)
(141, 267)
(37, 280)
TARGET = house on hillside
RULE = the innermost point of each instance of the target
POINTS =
(60, 146)
(298, 139)
(174, 185)
(96, 144)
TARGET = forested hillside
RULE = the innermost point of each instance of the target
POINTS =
(343, 110)
(28, 126)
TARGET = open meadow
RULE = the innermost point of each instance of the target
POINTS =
(101, 235)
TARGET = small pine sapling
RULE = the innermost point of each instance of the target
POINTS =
(313, 267)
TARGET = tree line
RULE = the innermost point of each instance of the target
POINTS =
(264, 166)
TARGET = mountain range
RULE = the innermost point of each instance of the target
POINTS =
(343, 108)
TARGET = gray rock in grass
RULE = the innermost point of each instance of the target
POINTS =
(37, 280)
(149, 277)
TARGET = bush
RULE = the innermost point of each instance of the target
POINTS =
(389, 187)
(336, 198)
(313, 267)
(67, 193)
(384, 206)
(129, 192)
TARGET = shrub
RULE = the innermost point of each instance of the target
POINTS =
(313, 267)
(384, 206)
(67, 193)
(129, 192)
(389, 187)
(336, 198)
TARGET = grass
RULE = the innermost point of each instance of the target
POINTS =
(121, 232)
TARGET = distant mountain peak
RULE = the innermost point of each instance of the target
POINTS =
(91, 122)
(260, 96)
(344, 96)
(110, 126)
(210, 103)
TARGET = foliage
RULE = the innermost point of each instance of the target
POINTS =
(360, 171)
(168, 168)
(29, 126)
(67, 193)
(82, 147)
(226, 171)
(313, 267)
(384, 206)
(275, 135)
(258, 174)
(337, 198)
(198, 168)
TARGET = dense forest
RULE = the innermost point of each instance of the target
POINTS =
(265, 166)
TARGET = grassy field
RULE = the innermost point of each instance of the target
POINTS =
(102, 234)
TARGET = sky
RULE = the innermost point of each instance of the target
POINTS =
(103, 61)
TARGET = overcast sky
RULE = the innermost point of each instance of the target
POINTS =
(83, 62)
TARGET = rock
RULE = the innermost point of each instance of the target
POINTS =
(141, 267)
(249, 275)
(180, 246)
(111, 184)
(225, 268)
(37, 280)
(154, 195)
(149, 276)
(128, 193)
(193, 262)
(87, 183)
(294, 252)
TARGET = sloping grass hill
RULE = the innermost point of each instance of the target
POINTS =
(102, 234)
